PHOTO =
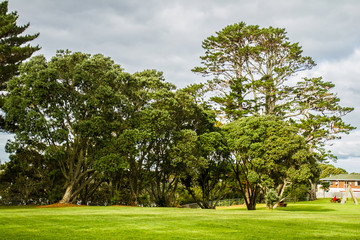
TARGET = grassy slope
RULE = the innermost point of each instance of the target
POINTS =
(306, 220)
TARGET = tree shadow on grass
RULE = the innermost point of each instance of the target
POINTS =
(17, 207)
(304, 208)
(291, 208)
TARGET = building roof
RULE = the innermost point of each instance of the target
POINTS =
(345, 177)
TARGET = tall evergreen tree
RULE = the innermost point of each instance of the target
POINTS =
(251, 70)
(12, 49)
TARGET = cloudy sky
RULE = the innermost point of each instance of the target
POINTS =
(166, 35)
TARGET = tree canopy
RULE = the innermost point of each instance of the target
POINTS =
(86, 115)
(249, 66)
(252, 72)
(328, 169)
(65, 109)
(87, 128)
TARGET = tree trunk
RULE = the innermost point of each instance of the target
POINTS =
(133, 199)
(280, 194)
(250, 200)
(251, 205)
(312, 193)
(67, 196)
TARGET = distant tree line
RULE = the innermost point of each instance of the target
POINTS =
(87, 131)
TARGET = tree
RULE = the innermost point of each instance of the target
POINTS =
(207, 178)
(252, 68)
(268, 153)
(316, 111)
(189, 148)
(174, 123)
(135, 140)
(66, 109)
(328, 170)
(12, 49)
(28, 179)
(173, 143)
(325, 186)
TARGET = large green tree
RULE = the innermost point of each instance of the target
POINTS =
(12, 48)
(172, 123)
(66, 109)
(187, 147)
(268, 153)
(252, 71)
(160, 139)
(135, 140)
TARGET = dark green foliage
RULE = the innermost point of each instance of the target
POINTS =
(12, 49)
(28, 179)
(144, 125)
(268, 153)
(325, 185)
(207, 181)
(66, 110)
(298, 191)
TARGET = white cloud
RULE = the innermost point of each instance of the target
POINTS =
(350, 165)
(345, 74)
(348, 146)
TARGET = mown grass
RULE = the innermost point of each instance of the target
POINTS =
(305, 220)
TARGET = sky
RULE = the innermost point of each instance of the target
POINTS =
(166, 35)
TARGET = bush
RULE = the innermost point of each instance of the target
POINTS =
(271, 198)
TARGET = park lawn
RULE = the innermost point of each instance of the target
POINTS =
(304, 220)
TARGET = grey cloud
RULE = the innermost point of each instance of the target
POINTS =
(141, 28)
(167, 35)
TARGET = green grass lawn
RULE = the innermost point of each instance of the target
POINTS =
(304, 220)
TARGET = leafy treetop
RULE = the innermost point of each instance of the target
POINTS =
(12, 49)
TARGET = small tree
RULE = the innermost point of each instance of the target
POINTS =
(325, 185)
(271, 198)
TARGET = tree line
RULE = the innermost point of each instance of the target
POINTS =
(86, 130)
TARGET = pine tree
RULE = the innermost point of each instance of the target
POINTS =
(12, 49)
